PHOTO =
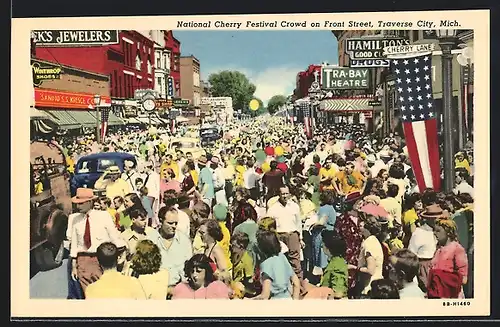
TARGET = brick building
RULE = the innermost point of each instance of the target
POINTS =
(190, 79)
(128, 64)
(173, 46)
(304, 81)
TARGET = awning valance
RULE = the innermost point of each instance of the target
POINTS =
(63, 119)
(350, 105)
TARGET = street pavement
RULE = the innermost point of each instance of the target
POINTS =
(52, 284)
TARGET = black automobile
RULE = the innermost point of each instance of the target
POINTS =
(209, 135)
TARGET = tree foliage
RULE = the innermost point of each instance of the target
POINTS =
(233, 84)
(275, 102)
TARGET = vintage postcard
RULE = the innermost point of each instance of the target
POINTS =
(326, 160)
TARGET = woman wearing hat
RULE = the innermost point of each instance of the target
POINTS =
(423, 241)
(449, 266)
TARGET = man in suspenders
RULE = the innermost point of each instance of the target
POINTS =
(130, 174)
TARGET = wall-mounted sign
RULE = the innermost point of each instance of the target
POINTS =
(44, 72)
(170, 86)
(140, 93)
(70, 100)
(56, 38)
(345, 78)
(366, 63)
(408, 50)
(162, 103)
(368, 51)
(180, 102)
(375, 103)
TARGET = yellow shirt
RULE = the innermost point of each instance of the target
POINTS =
(243, 269)
(328, 173)
(113, 189)
(463, 164)
(344, 185)
(410, 217)
(240, 170)
(114, 285)
(225, 243)
(70, 163)
(195, 176)
(198, 244)
(173, 165)
(155, 285)
(229, 172)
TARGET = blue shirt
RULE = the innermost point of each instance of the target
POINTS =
(146, 203)
(279, 270)
(329, 212)
(173, 258)
(206, 178)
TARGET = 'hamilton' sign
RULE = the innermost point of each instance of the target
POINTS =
(345, 78)
(55, 38)
(368, 51)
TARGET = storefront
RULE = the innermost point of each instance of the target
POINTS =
(72, 110)
(118, 107)
(352, 110)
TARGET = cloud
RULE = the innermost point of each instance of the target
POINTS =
(272, 81)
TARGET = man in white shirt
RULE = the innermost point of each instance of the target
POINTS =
(219, 181)
(152, 182)
(405, 266)
(381, 163)
(130, 174)
(289, 228)
(89, 229)
(461, 184)
(423, 242)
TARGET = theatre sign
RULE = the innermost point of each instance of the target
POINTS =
(344, 78)
(57, 38)
(369, 51)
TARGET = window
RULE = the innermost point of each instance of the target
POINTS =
(415, 36)
(115, 85)
(138, 62)
(158, 61)
(150, 68)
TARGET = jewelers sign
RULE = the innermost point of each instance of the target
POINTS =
(57, 38)
(344, 78)
(368, 51)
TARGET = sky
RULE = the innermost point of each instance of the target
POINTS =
(270, 59)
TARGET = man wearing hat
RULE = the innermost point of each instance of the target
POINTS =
(130, 174)
(382, 162)
(112, 183)
(423, 242)
(88, 229)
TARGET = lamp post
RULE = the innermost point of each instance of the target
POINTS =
(446, 42)
(97, 103)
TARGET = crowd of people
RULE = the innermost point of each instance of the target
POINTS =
(267, 213)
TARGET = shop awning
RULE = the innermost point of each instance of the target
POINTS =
(133, 120)
(63, 119)
(38, 114)
(113, 119)
(346, 105)
(84, 117)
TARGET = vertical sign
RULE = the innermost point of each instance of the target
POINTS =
(170, 87)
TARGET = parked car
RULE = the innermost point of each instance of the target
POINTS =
(89, 168)
(186, 144)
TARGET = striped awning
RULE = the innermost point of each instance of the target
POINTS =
(63, 119)
(113, 120)
(84, 117)
(36, 114)
(346, 105)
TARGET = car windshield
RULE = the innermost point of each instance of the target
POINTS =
(184, 145)
(95, 165)
(208, 131)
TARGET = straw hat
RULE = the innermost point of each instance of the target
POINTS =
(83, 195)
(434, 211)
(114, 170)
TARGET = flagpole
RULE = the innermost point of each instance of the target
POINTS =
(97, 103)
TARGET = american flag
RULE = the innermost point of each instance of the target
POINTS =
(104, 121)
(415, 101)
(305, 107)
